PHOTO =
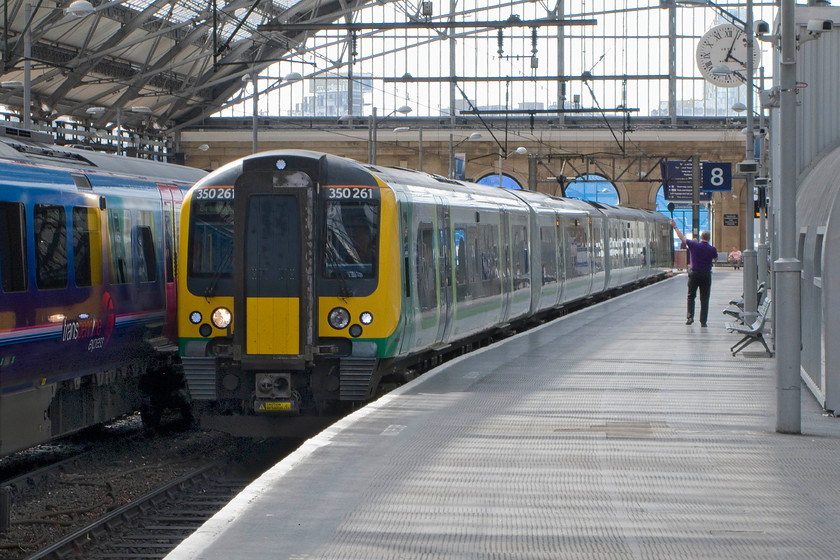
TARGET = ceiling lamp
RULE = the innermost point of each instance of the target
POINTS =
(80, 9)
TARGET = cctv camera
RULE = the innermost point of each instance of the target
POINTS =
(762, 27)
(769, 98)
(820, 25)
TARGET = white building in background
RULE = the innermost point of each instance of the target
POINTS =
(328, 96)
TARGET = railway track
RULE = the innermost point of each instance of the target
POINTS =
(128, 494)
(151, 526)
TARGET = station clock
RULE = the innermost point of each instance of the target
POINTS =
(725, 45)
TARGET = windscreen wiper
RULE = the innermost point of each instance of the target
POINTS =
(210, 290)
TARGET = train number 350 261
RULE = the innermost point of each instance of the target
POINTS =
(349, 193)
(214, 194)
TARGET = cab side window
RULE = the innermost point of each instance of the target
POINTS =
(13, 247)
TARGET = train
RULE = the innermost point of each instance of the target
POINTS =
(87, 286)
(310, 282)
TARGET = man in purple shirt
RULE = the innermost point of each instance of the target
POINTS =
(701, 254)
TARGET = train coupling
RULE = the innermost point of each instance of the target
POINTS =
(273, 394)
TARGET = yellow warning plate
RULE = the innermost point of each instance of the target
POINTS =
(276, 406)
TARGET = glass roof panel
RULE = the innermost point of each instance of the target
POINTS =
(183, 10)
(620, 62)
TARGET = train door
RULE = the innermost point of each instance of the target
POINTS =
(409, 284)
(593, 253)
(560, 240)
(426, 274)
(507, 275)
(273, 269)
(171, 197)
(444, 255)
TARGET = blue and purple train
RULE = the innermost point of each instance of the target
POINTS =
(87, 285)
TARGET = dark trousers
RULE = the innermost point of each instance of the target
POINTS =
(703, 281)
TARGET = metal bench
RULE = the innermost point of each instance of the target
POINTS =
(753, 332)
(736, 307)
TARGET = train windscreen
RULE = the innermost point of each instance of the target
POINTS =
(210, 269)
(351, 220)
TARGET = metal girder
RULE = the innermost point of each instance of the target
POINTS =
(437, 79)
(118, 56)
(600, 162)
(86, 64)
(432, 24)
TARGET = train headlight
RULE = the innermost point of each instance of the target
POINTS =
(366, 317)
(221, 317)
(338, 318)
(195, 317)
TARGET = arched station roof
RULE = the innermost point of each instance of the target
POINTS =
(174, 60)
(154, 66)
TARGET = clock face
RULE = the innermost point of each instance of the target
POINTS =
(725, 45)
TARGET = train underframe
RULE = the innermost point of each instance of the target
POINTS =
(147, 382)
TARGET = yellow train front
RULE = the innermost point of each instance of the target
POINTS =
(282, 285)
(309, 281)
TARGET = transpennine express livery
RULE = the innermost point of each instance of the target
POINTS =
(87, 286)
(308, 281)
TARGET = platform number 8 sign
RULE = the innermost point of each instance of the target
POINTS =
(717, 176)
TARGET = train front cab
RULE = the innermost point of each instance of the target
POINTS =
(312, 309)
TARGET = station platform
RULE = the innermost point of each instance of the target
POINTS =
(615, 432)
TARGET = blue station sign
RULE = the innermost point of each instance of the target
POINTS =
(677, 179)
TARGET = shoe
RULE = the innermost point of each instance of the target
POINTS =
(689, 320)
(703, 325)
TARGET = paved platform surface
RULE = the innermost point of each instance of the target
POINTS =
(616, 432)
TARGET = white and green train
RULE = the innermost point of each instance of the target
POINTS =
(309, 280)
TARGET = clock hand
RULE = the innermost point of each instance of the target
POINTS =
(731, 48)
(730, 57)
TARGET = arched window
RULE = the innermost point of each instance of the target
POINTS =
(592, 187)
(508, 182)
(682, 215)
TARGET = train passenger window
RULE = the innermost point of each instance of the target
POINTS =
(577, 250)
(50, 224)
(119, 228)
(466, 243)
(460, 263)
(146, 262)
(548, 257)
(144, 243)
(521, 263)
(426, 281)
(87, 247)
(598, 246)
(488, 257)
(13, 247)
